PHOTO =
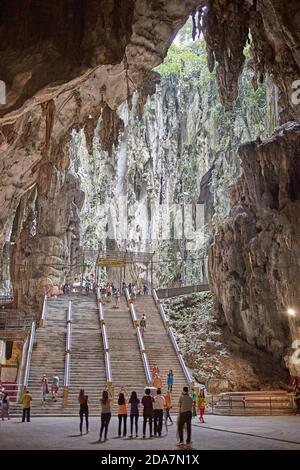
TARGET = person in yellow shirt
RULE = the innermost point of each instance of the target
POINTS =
(201, 405)
(26, 400)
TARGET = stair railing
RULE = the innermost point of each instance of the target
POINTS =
(68, 355)
(29, 354)
(139, 337)
(144, 355)
(109, 380)
(172, 337)
(44, 311)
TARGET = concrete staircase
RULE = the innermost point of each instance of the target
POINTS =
(126, 362)
(260, 403)
(87, 359)
(158, 346)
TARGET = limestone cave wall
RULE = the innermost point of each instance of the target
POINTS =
(181, 149)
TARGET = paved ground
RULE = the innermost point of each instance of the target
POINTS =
(220, 432)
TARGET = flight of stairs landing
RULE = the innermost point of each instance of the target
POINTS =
(87, 359)
(260, 403)
(126, 362)
(159, 348)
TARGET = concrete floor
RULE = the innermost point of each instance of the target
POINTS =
(219, 432)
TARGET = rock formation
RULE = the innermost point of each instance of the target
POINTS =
(254, 260)
(215, 355)
(182, 149)
(63, 65)
(67, 64)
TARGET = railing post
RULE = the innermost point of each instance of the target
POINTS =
(271, 406)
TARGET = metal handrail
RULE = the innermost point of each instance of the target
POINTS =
(68, 355)
(69, 338)
(29, 353)
(163, 315)
(172, 336)
(105, 340)
(147, 368)
(140, 339)
(155, 296)
(67, 369)
(127, 295)
(44, 311)
(144, 355)
(108, 367)
(180, 356)
(133, 314)
(69, 317)
(101, 312)
(173, 339)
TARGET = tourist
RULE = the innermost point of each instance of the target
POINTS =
(185, 417)
(26, 401)
(122, 412)
(157, 383)
(155, 370)
(130, 288)
(168, 401)
(124, 288)
(147, 402)
(44, 388)
(133, 292)
(194, 398)
(201, 405)
(103, 294)
(5, 406)
(158, 412)
(134, 413)
(145, 289)
(109, 292)
(297, 398)
(105, 414)
(143, 324)
(83, 410)
(117, 298)
(66, 288)
(87, 286)
(170, 380)
(55, 387)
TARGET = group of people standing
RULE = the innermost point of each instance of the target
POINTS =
(135, 290)
(153, 412)
(108, 292)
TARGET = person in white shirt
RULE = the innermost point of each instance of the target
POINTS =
(158, 407)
